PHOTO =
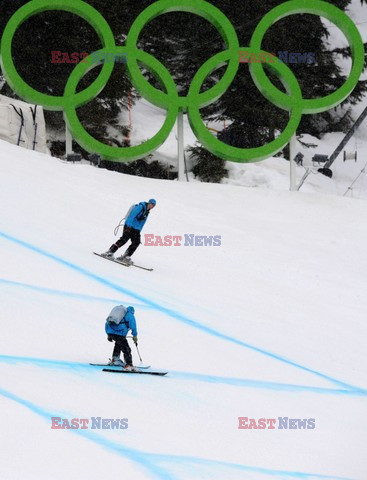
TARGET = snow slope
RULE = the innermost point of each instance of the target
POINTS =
(269, 324)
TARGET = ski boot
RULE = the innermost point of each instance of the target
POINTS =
(107, 254)
(130, 368)
(126, 260)
(116, 362)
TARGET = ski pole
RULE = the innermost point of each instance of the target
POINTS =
(138, 353)
(130, 336)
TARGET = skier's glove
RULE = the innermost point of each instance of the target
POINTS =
(135, 339)
(109, 338)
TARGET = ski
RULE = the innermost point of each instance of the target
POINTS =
(139, 372)
(124, 264)
(144, 367)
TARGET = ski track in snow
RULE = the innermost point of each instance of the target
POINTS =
(63, 293)
(82, 368)
(151, 461)
(177, 315)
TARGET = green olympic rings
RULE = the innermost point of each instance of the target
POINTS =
(342, 21)
(212, 15)
(169, 99)
(245, 154)
(128, 153)
(78, 7)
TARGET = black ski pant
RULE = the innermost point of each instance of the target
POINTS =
(121, 345)
(128, 234)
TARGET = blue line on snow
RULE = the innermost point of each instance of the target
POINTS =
(264, 471)
(140, 458)
(231, 381)
(172, 313)
(263, 384)
(63, 293)
(149, 460)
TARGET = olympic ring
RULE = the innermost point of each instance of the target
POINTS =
(341, 20)
(15, 81)
(292, 101)
(212, 15)
(244, 154)
(129, 153)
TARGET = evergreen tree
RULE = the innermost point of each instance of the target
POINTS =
(208, 167)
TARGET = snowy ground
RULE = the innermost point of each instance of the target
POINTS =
(349, 178)
(269, 324)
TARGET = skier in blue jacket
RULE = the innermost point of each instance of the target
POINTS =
(132, 228)
(117, 333)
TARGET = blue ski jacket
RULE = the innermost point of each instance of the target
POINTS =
(138, 216)
(126, 324)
